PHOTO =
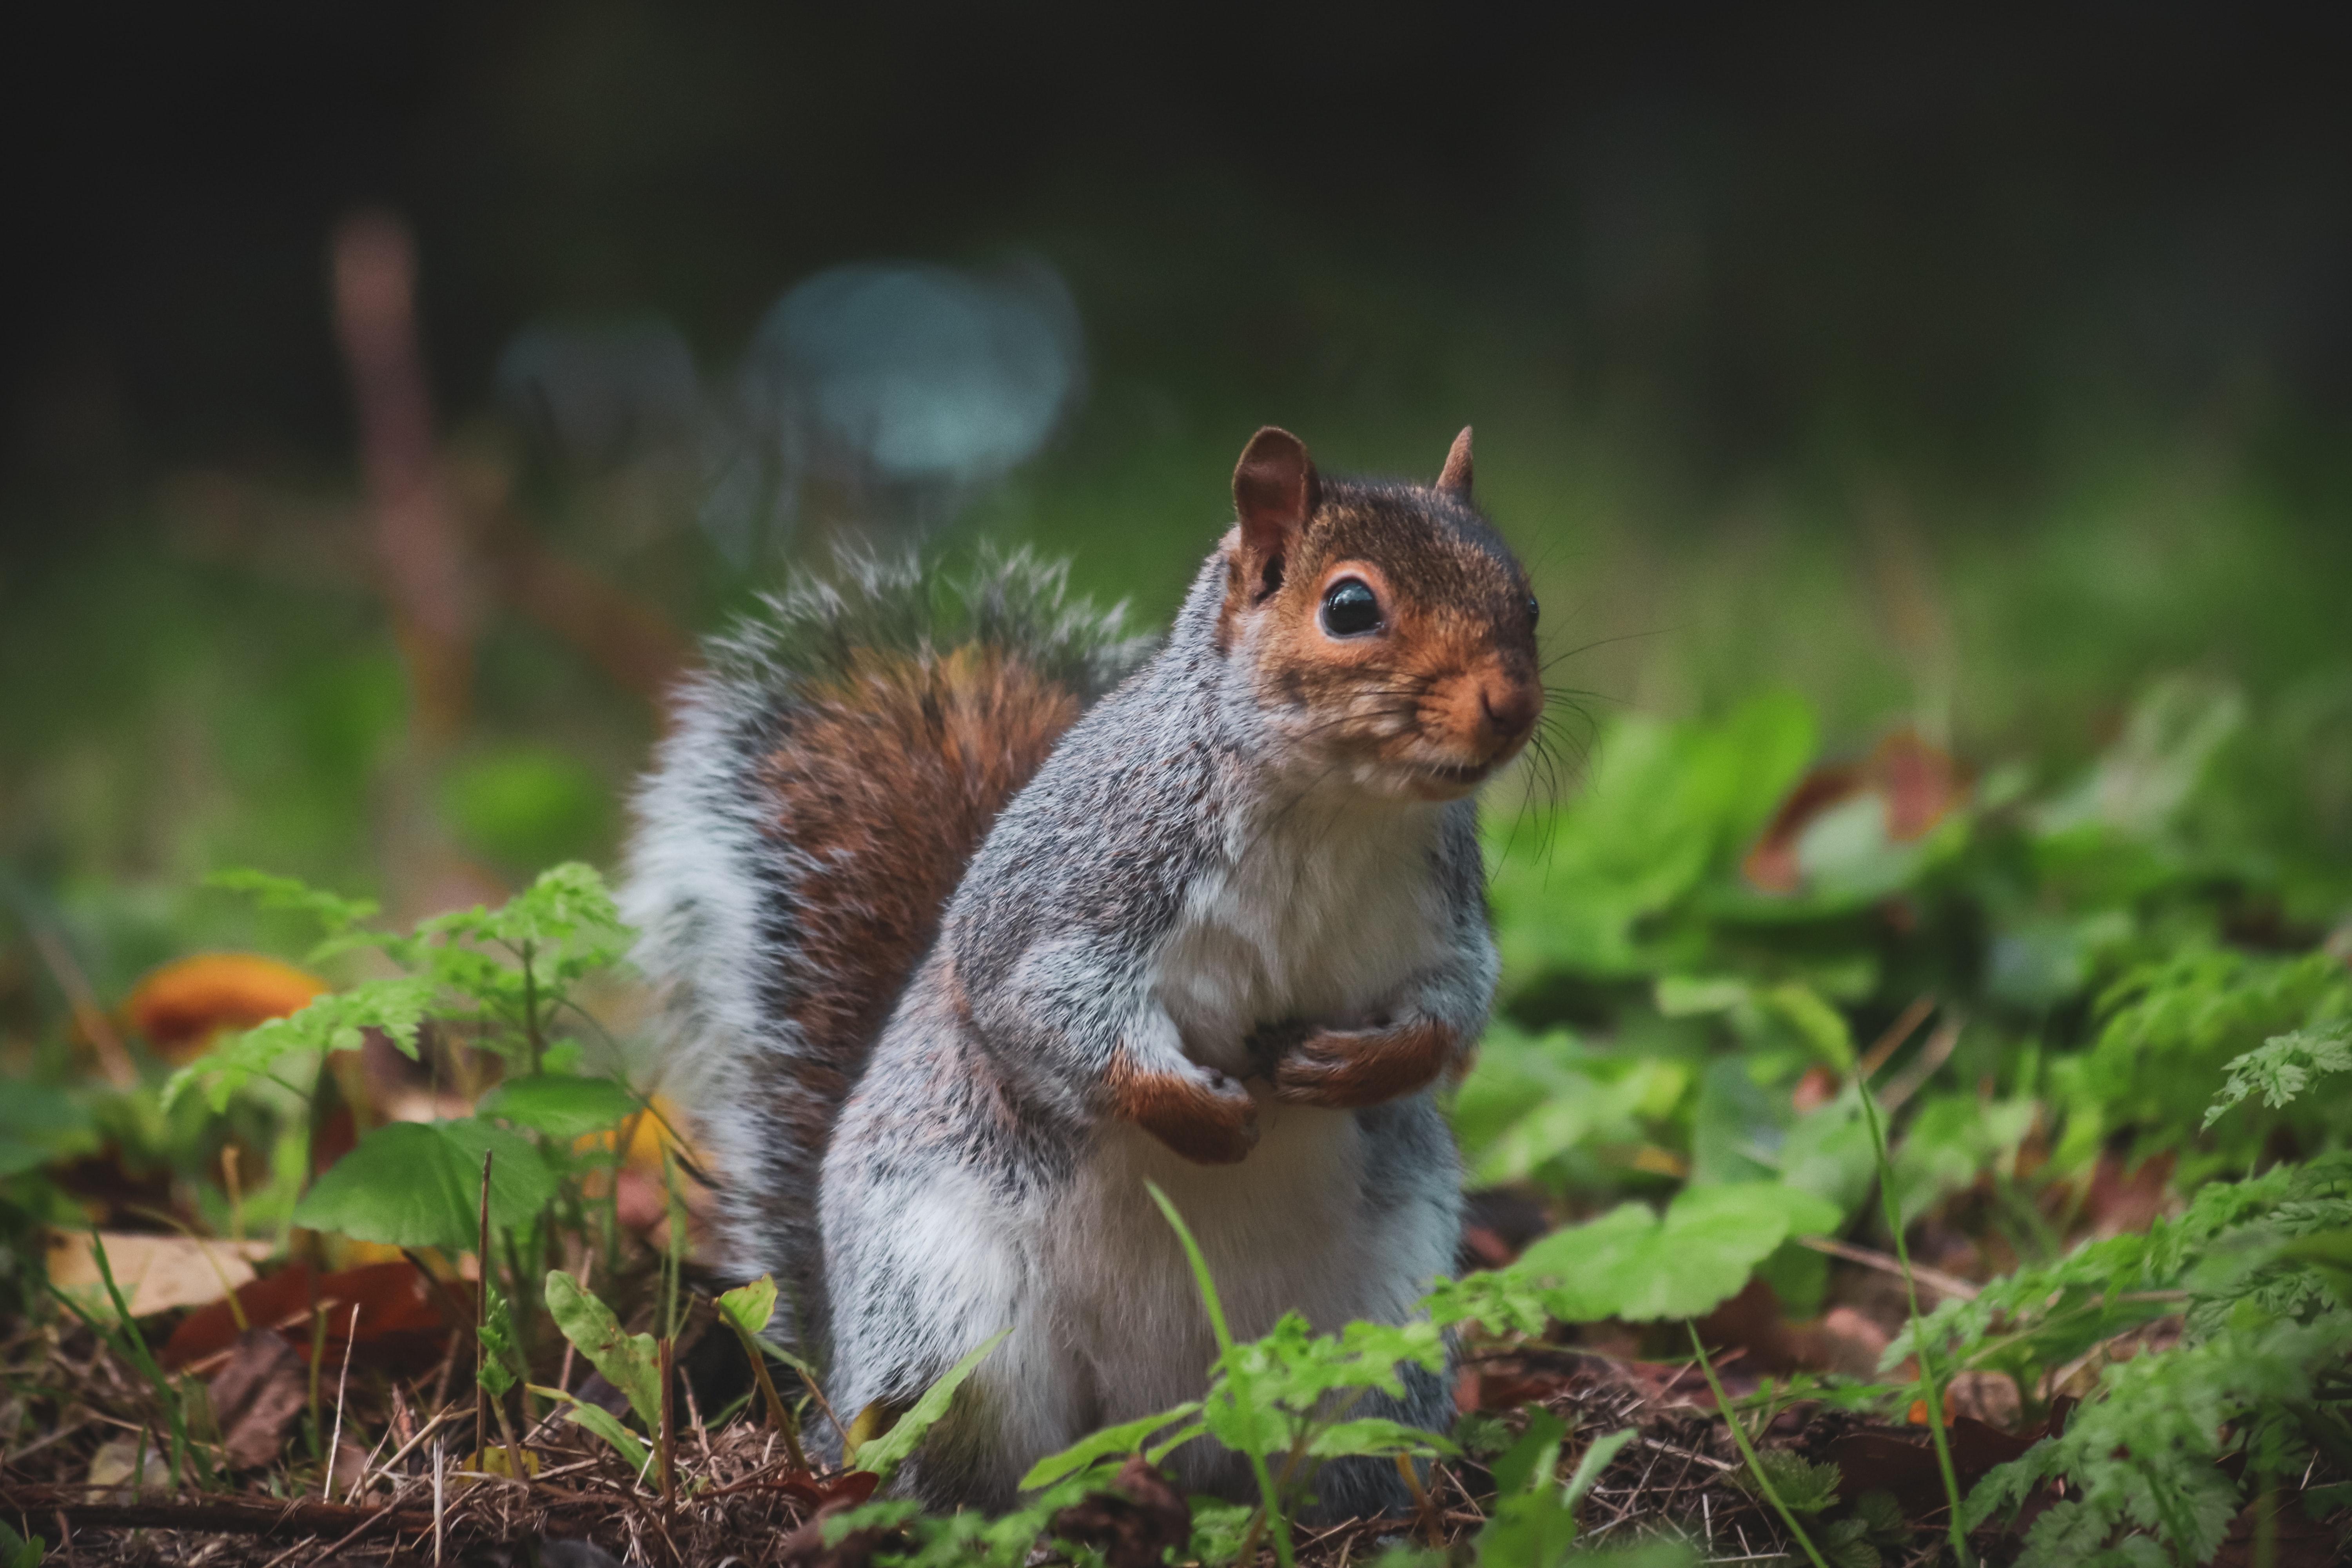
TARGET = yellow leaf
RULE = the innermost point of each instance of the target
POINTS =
(155, 1273)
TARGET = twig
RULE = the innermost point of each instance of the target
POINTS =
(362, 1528)
(422, 1432)
(1933, 1056)
(1935, 1278)
(1687, 1455)
(303, 1518)
(440, 1474)
(1907, 1023)
(289, 1552)
(335, 1443)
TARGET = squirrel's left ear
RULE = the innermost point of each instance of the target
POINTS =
(1456, 476)
(1275, 492)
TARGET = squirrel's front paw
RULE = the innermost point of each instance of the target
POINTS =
(1203, 1114)
(1346, 1069)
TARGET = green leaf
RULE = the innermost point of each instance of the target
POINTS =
(1534, 1521)
(1951, 1141)
(883, 1455)
(1804, 1487)
(2284, 1065)
(629, 1362)
(1527, 1530)
(603, 1422)
(419, 1184)
(559, 1105)
(1691, 996)
(19, 1551)
(1531, 1459)
(1638, 1265)
(337, 1021)
(1594, 1459)
(499, 1343)
(1111, 1442)
(1822, 1025)
(333, 912)
(1382, 1438)
(751, 1307)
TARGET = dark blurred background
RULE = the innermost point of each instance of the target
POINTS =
(1963, 369)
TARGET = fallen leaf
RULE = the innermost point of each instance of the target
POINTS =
(126, 1464)
(181, 1007)
(1882, 1461)
(404, 1321)
(845, 1488)
(1989, 1396)
(2298, 1539)
(805, 1547)
(1771, 864)
(1917, 787)
(154, 1273)
(257, 1396)
(1133, 1520)
(1842, 1341)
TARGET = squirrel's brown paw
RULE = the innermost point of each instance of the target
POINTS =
(1205, 1116)
(1346, 1069)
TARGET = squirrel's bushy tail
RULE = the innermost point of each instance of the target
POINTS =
(821, 788)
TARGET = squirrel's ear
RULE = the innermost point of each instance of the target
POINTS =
(1456, 476)
(1275, 492)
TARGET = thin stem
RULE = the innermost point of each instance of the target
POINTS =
(1270, 1508)
(1748, 1451)
(530, 1007)
(1928, 1380)
(482, 1318)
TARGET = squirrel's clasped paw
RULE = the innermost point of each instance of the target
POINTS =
(1203, 1115)
(1346, 1069)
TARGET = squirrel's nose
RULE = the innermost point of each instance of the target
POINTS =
(1508, 710)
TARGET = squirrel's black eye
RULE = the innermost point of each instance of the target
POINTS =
(1350, 608)
(1535, 611)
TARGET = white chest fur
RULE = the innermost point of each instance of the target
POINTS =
(1322, 912)
(1322, 909)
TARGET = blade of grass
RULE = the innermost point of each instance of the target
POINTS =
(1929, 1384)
(134, 1345)
(1271, 1507)
(1748, 1451)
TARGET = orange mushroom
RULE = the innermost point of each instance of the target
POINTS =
(182, 1006)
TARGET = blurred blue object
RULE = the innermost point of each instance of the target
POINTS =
(920, 373)
(892, 391)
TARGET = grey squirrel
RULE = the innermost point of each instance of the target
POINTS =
(968, 918)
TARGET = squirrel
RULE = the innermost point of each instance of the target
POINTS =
(968, 918)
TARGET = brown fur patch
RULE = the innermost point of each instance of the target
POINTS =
(1346, 1069)
(1203, 1126)
(1449, 680)
(886, 782)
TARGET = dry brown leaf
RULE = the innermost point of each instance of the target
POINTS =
(403, 1319)
(1917, 786)
(257, 1396)
(1132, 1521)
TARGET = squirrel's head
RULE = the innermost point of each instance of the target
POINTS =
(1385, 629)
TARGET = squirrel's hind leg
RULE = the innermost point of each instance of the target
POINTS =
(928, 1259)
